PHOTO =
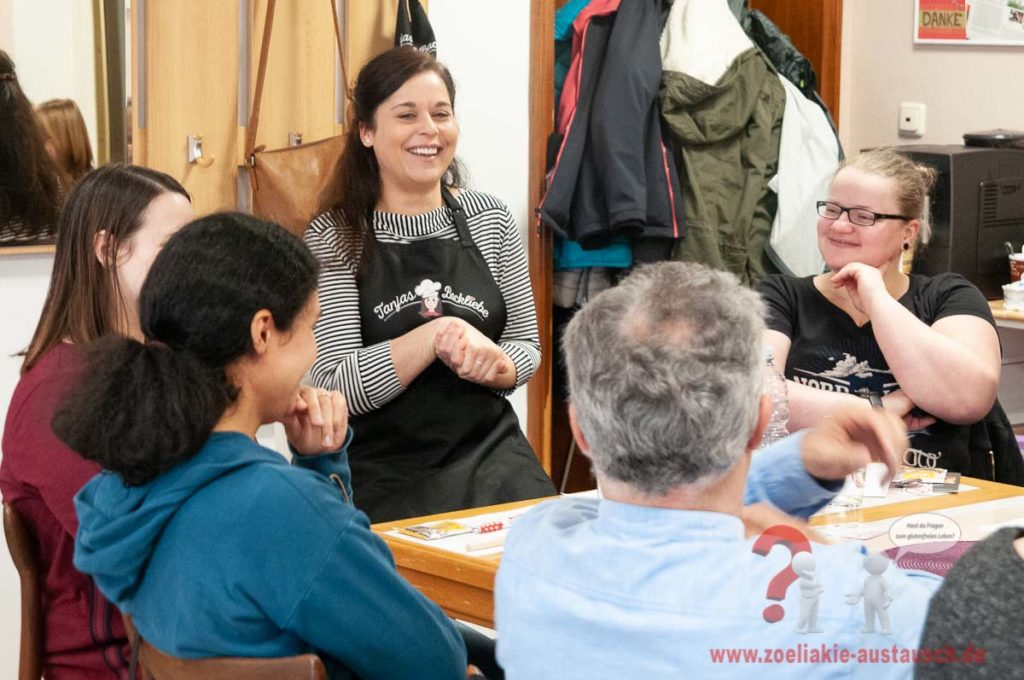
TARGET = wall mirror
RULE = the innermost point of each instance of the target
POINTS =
(71, 49)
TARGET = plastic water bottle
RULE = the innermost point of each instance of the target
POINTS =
(775, 388)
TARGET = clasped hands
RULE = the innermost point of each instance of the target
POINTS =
(470, 354)
(317, 422)
(899, 403)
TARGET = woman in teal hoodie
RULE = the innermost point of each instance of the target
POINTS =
(213, 544)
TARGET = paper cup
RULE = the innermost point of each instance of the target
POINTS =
(1016, 266)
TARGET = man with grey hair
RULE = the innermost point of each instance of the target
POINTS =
(656, 578)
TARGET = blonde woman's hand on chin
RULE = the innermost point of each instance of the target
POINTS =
(473, 356)
(864, 284)
(318, 422)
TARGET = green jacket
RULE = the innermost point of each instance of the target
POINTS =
(727, 148)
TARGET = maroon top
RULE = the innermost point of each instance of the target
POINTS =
(39, 476)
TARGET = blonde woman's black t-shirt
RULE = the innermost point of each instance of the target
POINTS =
(830, 352)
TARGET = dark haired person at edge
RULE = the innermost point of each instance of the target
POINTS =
(426, 383)
(30, 187)
(213, 544)
(113, 224)
(924, 347)
(978, 606)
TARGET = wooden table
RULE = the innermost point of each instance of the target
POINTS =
(970, 523)
(464, 586)
(1011, 318)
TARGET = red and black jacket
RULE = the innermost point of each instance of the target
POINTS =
(612, 173)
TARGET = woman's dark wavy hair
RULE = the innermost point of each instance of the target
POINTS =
(30, 188)
(355, 187)
(140, 409)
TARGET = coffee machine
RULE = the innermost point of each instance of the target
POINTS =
(977, 207)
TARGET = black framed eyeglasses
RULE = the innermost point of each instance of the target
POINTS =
(862, 217)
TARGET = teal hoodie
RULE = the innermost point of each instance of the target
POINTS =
(237, 553)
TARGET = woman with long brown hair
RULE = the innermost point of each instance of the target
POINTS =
(428, 319)
(67, 138)
(30, 187)
(114, 223)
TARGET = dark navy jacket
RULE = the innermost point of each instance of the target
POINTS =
(613, 174)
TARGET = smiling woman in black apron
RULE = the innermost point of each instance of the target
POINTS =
(428, 320)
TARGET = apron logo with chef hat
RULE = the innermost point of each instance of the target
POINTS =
(428, 295)
(430, 304)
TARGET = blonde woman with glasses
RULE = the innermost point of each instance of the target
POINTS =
(924, 347)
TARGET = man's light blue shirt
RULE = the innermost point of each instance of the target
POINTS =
(601, 589)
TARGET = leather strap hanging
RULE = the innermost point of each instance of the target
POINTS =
(286, 183)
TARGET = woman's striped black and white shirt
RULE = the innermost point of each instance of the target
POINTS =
(366, 375)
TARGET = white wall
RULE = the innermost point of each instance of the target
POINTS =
(23, 284)
(51, 42)
(6, 27)
(965, 89)
(492, 72)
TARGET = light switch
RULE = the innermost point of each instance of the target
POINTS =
(911, 119)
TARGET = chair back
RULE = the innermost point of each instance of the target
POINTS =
(157, 665)
(21, 543)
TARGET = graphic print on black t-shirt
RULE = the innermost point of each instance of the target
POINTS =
(842, 370)
(830, 352)
(848, 375)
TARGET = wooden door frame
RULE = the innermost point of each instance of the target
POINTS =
(539, 241)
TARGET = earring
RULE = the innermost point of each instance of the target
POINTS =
(906, 245)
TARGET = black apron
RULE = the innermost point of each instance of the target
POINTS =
(444, 443)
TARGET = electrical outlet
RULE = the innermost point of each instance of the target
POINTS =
(911, 119)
